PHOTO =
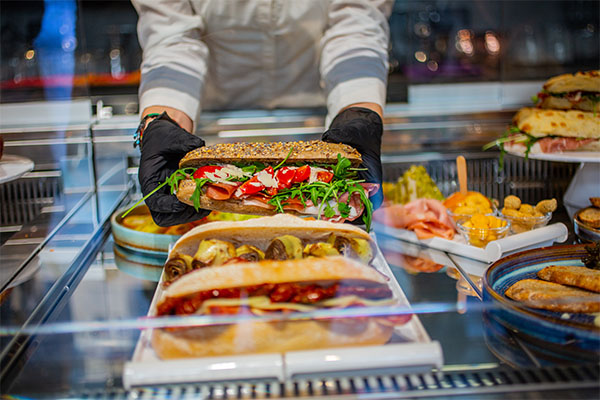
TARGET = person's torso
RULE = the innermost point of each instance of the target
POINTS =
(262, 53)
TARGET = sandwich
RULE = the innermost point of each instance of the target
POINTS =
(536, 131)
(579, 91)
(279, 237)
(267, 287)
(309, 178)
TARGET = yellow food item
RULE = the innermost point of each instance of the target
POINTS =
(473, 203)
(527, 217)
(512, 202)
(482, 229)
(546, 206)
(526, 209)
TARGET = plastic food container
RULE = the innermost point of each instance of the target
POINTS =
(480, 237)
(527, 223)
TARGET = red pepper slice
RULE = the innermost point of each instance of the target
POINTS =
(302, 174)
(251, 186)
(285, 177)
(324, 176)
(201, 172)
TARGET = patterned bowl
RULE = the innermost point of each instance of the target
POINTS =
(568, 333)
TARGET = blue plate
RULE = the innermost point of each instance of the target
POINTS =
(554, 332)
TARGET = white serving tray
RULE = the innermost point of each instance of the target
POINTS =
(496, 249)
(410, 349)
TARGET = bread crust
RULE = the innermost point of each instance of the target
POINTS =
(588, 81)
(335, 268)
(268, 337)
(590, 216)
(571, 275)
(561, 103)
(539, 123)
(313, 151)
(188, 186)
(553, 296)
(260, 231)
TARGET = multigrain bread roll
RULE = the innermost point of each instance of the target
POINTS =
(315, 151)
(553, 296)
(312, 178)
(292, 286)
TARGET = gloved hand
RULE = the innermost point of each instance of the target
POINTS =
(362, 129)
(163, 144)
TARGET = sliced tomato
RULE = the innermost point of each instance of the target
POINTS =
(251, 186)
(302, 174)
(272, 191)
(284, 177)
(201, 172)
(324, 176)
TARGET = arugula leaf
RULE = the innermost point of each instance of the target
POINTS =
(535, 99)
(344, 209)
(341, 168)
(195, 198)
(368, 213)
(329, 211)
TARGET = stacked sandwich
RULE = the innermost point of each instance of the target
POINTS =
(566, 118)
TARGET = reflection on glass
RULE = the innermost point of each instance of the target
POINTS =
(55, 48)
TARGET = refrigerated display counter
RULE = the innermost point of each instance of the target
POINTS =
(74, 303)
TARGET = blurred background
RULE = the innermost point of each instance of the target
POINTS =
(57, 49)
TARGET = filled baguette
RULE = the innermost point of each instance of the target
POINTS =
(268, 286)
(310, 178)
(278, 237)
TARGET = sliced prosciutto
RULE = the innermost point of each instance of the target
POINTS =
(221, 191)
(426, 217)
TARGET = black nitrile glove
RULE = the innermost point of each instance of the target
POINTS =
(362, 129)
(163, 144)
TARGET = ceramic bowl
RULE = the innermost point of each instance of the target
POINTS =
(573, 334)
(583, 231)
(150, 243)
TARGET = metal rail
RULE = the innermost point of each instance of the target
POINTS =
(584, 378)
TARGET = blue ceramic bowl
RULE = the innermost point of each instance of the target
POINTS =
(150, 243)
(574, 336)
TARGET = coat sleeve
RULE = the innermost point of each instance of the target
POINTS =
(354, 53)
(174, 60)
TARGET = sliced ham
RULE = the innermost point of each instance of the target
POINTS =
(426, 217)
(558, 144)
(221, 191)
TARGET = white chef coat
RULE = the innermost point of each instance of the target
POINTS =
(231, 54)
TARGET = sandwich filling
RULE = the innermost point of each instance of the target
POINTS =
(330, 192)
(516, 138)
(268, 297)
